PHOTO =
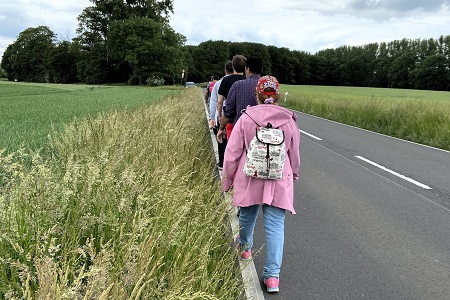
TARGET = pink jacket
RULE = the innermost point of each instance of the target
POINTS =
(249, 191)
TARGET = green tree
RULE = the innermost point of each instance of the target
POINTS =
(8, 59)
(381, 67)
(432, 74)
(276, 63)
(283, 64)
(325, 67)
(302, 67)
(102, 59)
(189, 65)
(357, 66)
(150, 48)
(61, 63)
(209, 59)
(400, 70)
(25, 59)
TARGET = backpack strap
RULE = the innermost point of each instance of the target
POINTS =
(269, 125)
(245, 112)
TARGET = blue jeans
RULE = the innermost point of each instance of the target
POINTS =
(274, 228)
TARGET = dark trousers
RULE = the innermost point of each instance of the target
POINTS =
(220, 147)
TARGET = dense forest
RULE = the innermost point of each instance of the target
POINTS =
(132, 42)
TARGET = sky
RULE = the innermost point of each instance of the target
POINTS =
(303, 25)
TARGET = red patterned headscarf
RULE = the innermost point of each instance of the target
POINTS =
(267, 82)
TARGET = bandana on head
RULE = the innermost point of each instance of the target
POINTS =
(267, 82)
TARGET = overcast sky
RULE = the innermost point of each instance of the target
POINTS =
(304, 25)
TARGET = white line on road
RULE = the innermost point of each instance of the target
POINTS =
(395, 173)
(308, 134)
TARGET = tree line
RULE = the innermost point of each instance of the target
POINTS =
(132, 42)
(409, 64)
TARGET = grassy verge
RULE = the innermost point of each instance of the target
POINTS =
(28, 111)
(418, 116)
(125, 208)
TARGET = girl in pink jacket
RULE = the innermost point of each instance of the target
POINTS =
(249, 193)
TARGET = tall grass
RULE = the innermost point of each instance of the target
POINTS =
(418, 116)
(126, 207)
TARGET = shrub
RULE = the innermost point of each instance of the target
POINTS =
(154, 81)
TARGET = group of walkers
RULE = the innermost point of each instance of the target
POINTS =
(242, 104)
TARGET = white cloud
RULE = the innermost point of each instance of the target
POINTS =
(304, 25)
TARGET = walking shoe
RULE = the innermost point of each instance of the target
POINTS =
(220, 167)
(244, 255)
(272, 284)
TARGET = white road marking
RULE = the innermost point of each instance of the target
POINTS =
(308, 134)
(395, 173)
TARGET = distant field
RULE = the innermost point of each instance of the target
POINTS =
(28, 111)
(362, 93)
(418, 116)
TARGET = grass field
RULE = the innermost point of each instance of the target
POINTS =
(28, 111)
(418, 116)
(126, 207)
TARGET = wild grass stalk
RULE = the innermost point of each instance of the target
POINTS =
(127, 207)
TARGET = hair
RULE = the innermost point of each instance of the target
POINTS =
(239, 63)
(215, 77)
(229, 67)
(262, 97)
(254, 64)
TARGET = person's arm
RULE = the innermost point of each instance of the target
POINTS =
(220, 99)
(220, 133)
(223, 123)
(213, 105)
(222, 119)
(233, 152)
(222, 91)
(294, 151)
(230, 110)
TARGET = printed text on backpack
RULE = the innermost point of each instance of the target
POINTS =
(266, 153)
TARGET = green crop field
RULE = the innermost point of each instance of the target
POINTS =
(418, 116)
(29, 111)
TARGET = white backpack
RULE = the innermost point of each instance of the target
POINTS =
(266, 153)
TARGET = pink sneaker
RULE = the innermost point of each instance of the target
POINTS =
(244, 255)
(272, 284)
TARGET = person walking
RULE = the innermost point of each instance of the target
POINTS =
(214, 116)
(250, 193)
(241, 94)
(209, 88)
(238, 63)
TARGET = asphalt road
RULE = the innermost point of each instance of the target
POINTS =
(373, 218)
